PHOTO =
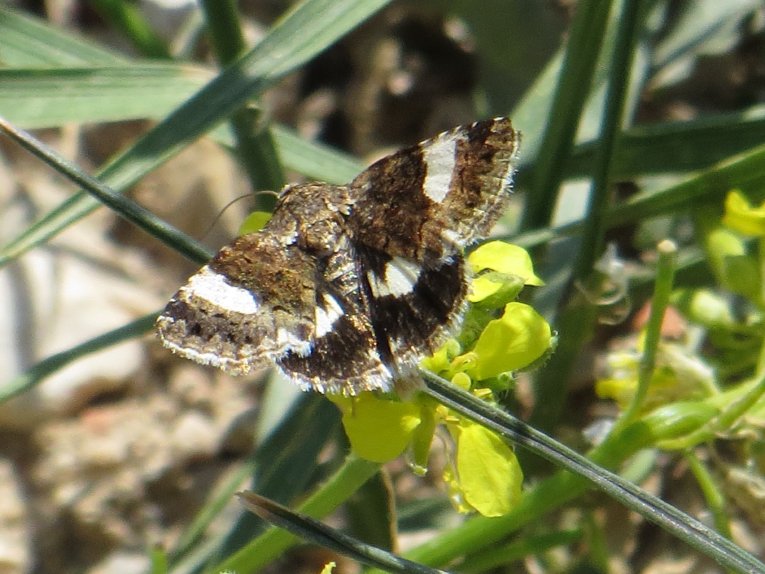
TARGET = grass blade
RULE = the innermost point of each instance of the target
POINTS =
(50, 365)
(321, 534)
(587, 32)
(40, 98)
(306, 30)
(271, 544)
(28, 42)
(124, 206)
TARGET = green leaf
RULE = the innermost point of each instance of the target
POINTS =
(307, 29)
(29, 42)
(36, 98)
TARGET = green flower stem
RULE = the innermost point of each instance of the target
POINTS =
(761, 302)
(665, 273)
(613, 112)
(712, 494)
(272, 544)
(254, 142)
(729, 415)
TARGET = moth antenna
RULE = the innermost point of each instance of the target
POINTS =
(214, 222)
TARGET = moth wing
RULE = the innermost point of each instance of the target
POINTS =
(414, 213)
(389, 293)
(251, 304)
(429, 201)
(261, 302)
(413, 308)
(344, 356)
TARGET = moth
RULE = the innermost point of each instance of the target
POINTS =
(349, 286)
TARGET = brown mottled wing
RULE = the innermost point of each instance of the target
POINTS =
(263, 300)
(429, 201)
(253, 302)
(344, 356)
(414, 212)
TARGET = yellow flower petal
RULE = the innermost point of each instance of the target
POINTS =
(741, 216)
(489, 477)
(517, 339)
(505, 258)
(379, 429)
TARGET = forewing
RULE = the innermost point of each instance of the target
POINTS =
(429, 201)
(413, 213)
(251, 304)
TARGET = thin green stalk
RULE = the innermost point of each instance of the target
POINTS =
(761, 263)
(611, 125)
(158, 561)
(258, 154)
(50, 365)
(576, 319)
(120, 204)
(598, 552)
(574, 313)
(255, 143)
(192, 536)
(518, 550)
(224, 29)
(328, 537)
(722, 422)
(712, 494)
(575, 323)
(665, 273)
(127, 17)
(584, 42)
